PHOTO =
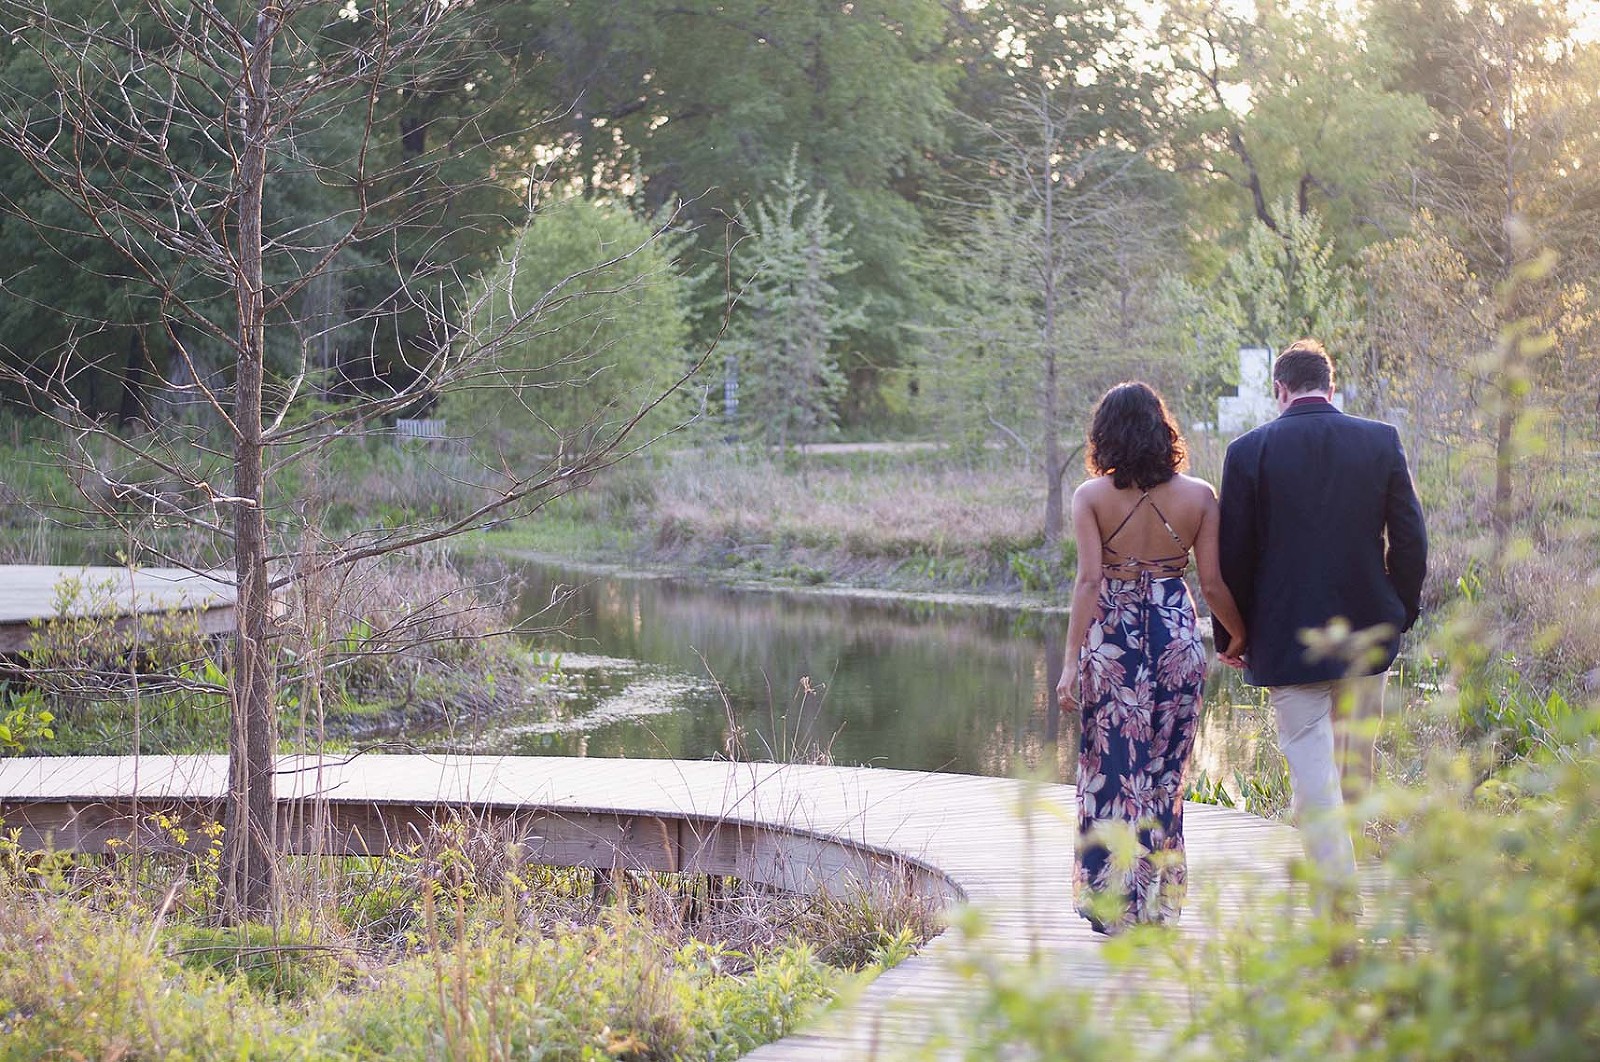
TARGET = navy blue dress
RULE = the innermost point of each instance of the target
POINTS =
(1142, 669)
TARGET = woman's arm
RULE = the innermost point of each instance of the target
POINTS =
(1085, 590)
(1219, 599)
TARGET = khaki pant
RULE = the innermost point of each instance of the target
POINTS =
(1327, 731)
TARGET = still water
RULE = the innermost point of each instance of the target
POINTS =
(652, 667)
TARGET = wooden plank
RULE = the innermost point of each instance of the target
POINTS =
(31, 593)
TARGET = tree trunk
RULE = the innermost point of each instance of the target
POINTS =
(250, 842)
(1054, 502)
(1505, 427)
(1054, 519)
(132, 405)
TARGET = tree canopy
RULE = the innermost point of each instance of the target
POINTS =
(1251, 119)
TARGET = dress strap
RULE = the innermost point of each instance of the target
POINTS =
(1144, 496)
(1185, 546)
(1173, 565)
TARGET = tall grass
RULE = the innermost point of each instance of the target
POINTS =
(911, 520)
(456, 945)
(401, 642)
(1528, 611)
(57, 508)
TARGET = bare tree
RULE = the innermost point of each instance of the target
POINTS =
(1050, 231)
(179, 132)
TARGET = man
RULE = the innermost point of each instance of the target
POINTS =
(1321, 528)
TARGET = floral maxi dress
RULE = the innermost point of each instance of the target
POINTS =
(1142, 669)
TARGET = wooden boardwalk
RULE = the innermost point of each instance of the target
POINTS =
(32, 593)
(1003, 846)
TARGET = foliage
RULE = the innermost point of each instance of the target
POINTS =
(1204, 789)
(120, 332)
(453, 944)
(26, 721)
(81, 632)
(94, 986)
(612, 336)
(1021, 1009)
(1056, 254)
(1284, 110)
(410, 642)
(737, 507)
(267, 959)
(1482, 944)
(1505, 82)
(857, 90)
(783, 346)
(1285, 283)
(1429, 320)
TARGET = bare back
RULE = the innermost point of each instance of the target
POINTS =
(1149, 531)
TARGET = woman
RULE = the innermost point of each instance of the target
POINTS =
(1135, 663)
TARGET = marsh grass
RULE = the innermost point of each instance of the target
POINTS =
(1529, 608)
(455, 945)
(53, 510)
(914, 520)
(395, 645)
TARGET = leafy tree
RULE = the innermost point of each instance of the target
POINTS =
(703, 101)
(1060, 231)
(600, 341)
(73, 300)
(1515, 118)
(786, 334)
(1285, 282)
(1511, 177)
(1280, 104)
(1430, 322)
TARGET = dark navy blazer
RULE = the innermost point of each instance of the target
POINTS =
(1319, 520)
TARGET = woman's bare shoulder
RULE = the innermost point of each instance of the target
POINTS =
(1194, 486)
(1094, 487)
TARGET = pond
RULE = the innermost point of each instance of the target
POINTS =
(679, 667)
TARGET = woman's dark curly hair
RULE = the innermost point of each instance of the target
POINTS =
(1133, 439)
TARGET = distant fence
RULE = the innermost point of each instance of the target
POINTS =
(420, 429)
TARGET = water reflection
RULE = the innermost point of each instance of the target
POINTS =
(675, 668)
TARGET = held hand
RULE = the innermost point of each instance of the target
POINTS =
(1234, 657)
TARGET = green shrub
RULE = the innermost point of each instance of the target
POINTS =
(1483, 943)
(270, 960)
(570, 370)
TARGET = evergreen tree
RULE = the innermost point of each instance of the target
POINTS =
(784, 341)
(702, 100)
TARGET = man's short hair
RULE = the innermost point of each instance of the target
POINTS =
(1304, 366)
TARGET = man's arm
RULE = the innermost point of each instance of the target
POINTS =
(1236, 538)
(1407, 559)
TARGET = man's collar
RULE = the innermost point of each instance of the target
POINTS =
(1309, 404)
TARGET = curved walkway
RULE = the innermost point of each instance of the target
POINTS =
(1003, 846)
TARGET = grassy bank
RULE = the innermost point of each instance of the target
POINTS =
(913, 521)
(939, 521)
